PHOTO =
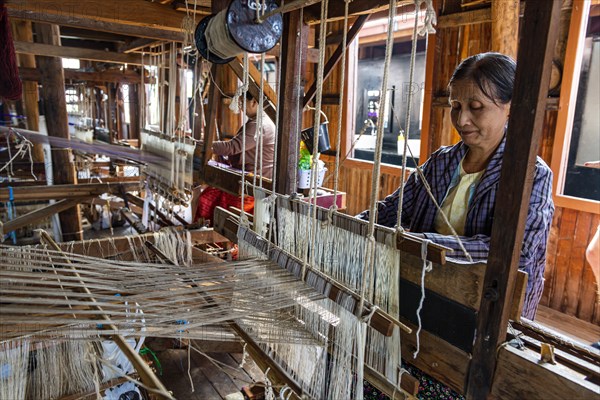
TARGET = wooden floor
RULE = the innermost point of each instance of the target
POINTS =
(211, 382)
(581, 331)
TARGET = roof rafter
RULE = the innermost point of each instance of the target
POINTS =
(127, 17)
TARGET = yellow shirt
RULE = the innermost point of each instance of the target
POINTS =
(456, 204)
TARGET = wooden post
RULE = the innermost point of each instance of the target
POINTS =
(348, 117)
(214, 102)
(505, 26)
(55, 104)
(291, 94)
(120, 109)
(134, 108)
(23, 32)
(112, 110)
(525, 125)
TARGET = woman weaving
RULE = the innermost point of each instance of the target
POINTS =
(464, 177)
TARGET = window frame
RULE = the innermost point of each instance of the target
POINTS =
(566, 110)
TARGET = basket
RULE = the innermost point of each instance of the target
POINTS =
(304, 176)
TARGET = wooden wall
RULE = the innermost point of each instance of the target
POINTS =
(570, 285)
(355, 179)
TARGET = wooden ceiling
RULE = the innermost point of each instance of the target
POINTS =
(127, 25)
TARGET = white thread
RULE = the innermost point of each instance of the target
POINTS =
(269, 394)
(427, 266)
(244, 356)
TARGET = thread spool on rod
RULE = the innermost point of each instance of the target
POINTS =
(293, 6)
(221, 37)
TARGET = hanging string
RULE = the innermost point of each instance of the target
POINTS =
(299, 94)
(406, 133)
(338, 147)
(427, 267)
(142, 105)
(316, 125)
(379, 148)
(261, 105)
(273, 197)
(243, 217)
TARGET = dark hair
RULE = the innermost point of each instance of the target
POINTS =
(494, 74)
(249, 95)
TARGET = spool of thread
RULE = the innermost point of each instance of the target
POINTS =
(221, 37)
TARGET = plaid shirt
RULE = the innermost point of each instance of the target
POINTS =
(419, 213)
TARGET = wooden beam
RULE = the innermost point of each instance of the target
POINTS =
(136, 44)
(440, 359)
(525, 126)
(521, 375)
(127, 76)
(336, 57)
(156, 32)
(312, 14)
(88, 44)
(34, 193)
(408, 384)
(39, 214)
(293, 76)
(134, 221)
(53, 95)
(48, 50)
(136, 13)
(464, 18)
(23, 31)
(70, 32)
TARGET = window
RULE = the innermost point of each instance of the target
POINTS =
(582, 181)
(72, 98)
(577, 138)
(368, 87)
(70, 63)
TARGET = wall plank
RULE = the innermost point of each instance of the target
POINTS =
(570, 285)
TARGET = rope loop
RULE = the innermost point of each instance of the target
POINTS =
(430, 17)
(283, 390)
(367, 318)
(234, 106)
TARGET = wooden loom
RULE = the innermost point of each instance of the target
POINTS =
(480, 368)
(506, 365)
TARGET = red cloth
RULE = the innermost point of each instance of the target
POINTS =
(10, 84)
(211, 197)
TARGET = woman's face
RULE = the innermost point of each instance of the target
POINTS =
(479, 121)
